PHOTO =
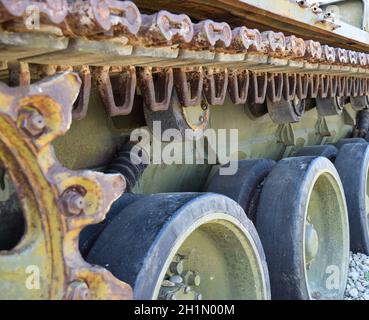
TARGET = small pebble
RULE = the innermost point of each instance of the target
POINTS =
(366, 295)
(360, 287)
(354, 293)
(357, 287)
(354, 276)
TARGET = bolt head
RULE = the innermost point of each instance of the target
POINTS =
(195, 280)
(74, 202)
(176, 267)
(311, 243)
(33, 123)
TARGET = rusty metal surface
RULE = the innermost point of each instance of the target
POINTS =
(156, 86)
(189, 84)
(122, 22)
(215, 85)
(278, 15)
(166, 28)
(295, 47)
(274, 42)
(238, 85)
(244, 39)
(210, 34)
(81, 105)
(89, 17)
(165, 51)
(159, 52)
(126, 87)
(56, 201)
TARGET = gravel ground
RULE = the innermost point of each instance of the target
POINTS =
(358, 280)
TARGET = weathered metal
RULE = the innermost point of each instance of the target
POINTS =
(279, 15)
(189, 85)
(126, 88)
(89, 17)
(289, 86)
(258, 89)
(111, 43)
(302, 86)
(238, 85)
(95, 15)
(50, 10)
(274, 43)
(81, 105)
(275, 87)
(56, 201)
(165, 28)
(284, 111)
(244, 39)
(10, 9)
(156, 87)
(314, 50)
(222, 46)
(215, 85)
(211, 34)
(295, 47)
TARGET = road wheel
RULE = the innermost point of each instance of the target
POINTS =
(184, 246)
(352, 164)
(303, 225)
(342, 142)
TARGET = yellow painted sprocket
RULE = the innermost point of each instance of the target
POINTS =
(57, 202)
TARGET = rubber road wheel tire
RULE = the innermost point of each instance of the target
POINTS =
(242, 186)
(352, 164)
(343, 142)
(296, 188)
(90, 233)
(136, 246)
(327, 151)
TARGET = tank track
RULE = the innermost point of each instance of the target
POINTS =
(163, 52)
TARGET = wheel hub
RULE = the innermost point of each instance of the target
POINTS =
(311, 244)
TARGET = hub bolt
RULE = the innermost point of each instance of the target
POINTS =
(33, 123)
(194, 280)
(176, 267)
(73, 202)
(311, 243)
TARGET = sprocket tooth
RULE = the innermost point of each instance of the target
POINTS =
(96, 191)
(99, 190)
(97, 283)
(42, 110)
